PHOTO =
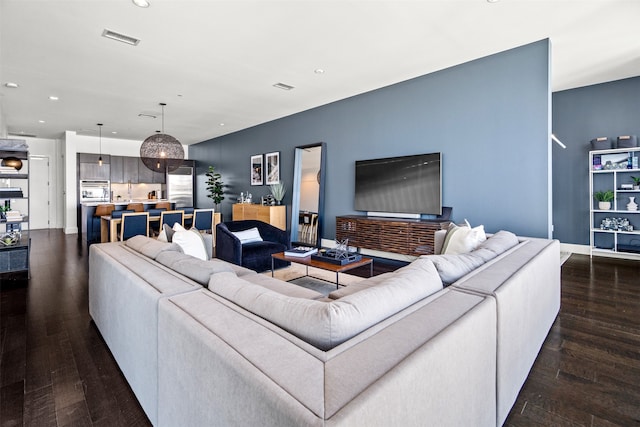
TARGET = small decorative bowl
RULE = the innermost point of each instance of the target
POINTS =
(9, 239)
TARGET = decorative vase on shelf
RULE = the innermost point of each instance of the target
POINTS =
(604, 206)
(632, 205)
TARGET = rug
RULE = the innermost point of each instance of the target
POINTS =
(315, 284)
(319, 280)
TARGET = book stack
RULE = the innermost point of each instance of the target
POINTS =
(4, 170)
(13, 216)
(10, 192)
(301, 251)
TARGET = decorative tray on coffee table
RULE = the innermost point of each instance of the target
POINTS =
(337, 257)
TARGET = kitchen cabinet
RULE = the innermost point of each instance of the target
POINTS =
(130, 170)
(117, 169)
(274, 215)
(126, 169)
(88, 167)
(144, 173)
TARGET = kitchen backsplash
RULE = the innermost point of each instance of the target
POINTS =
(138, 191)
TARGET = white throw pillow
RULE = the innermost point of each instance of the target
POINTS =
(463, 239)
(248, 236)
(191, 243)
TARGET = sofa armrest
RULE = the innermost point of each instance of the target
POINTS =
(438, 241)
(271, 233)
(228, 246)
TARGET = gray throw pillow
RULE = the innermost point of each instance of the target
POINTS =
(168, 231)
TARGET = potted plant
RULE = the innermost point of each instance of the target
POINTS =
(636, 182)
(214, 187)
(278, 191)
(604, 199)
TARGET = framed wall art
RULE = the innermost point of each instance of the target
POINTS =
(273, 167)
(257, 170)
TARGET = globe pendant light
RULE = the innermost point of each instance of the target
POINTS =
(161, 152)
(100, 158)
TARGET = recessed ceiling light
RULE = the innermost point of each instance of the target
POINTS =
(221, 124)
(120, 37)
(41, 121)
(53, 98)
(114, 132)
(141, 3)
(283, 86)
(493, 1)
(11, 85)
(318, 71)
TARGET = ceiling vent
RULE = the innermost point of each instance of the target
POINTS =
(283, 86)
(120, 37)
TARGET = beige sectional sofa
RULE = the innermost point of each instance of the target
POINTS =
(209, 343)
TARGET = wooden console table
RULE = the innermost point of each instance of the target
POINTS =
(274, 215)
(401, 236)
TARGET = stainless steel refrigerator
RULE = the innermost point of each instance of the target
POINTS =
(180, 186)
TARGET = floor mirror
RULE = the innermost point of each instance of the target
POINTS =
(308, 194)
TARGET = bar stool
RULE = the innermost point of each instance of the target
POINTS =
(163, 205)
(101, 210)
(136, 207)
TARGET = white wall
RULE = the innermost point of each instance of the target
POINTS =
(74, 144)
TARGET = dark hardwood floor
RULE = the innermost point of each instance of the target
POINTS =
(55, 369)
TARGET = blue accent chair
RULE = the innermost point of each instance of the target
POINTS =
(255, 255)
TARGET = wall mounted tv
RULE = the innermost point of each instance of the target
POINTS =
(399, 185)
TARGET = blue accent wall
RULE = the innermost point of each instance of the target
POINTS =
(580, 115)
(489, 118)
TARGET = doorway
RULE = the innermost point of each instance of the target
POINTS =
(39, 192)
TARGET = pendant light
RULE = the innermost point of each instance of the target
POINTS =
(161, 152)
(100, 158)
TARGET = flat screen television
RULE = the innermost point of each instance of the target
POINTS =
(403, 185)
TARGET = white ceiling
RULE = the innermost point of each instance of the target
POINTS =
(215, 62)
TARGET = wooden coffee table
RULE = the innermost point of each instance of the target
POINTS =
(323, 265)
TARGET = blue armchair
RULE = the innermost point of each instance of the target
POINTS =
(253, 255)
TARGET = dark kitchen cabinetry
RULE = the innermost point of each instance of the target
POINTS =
(89, 168)
(144, 173)
(131, 169)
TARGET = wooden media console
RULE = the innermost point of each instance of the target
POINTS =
(401, 236)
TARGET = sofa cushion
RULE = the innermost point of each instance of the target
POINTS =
(327, 324)
(413, 269)
(166, 234)
(191, 243)
(462, 239)
(453, 267)
(150, 247)
(195, 269)
(248, 236)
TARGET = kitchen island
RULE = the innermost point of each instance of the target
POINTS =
(90, 224)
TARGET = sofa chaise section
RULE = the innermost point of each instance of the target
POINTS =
(124, 289)
(526, 286)
(433, 362)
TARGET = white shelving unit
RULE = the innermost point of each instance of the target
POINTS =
(612, 177)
